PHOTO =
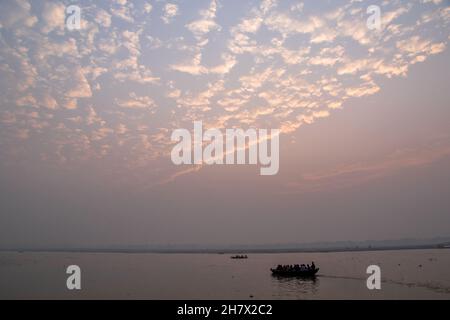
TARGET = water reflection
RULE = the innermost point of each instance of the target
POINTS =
(295, 287)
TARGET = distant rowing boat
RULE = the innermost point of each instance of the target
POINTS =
(239, 257)
(295, 273)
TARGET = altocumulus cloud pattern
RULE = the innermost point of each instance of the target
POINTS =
(113, 91)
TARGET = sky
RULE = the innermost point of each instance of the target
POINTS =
(86, 118)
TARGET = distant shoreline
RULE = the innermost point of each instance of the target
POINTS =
(229, 251)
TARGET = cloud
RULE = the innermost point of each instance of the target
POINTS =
(194, 66)
(138, 76)
(70, 104)
(172, 177)
(328, 57)
(17, 13)
(251, 25)
(123, 12)
(58, 49)
(364, 90)
(270, 65)
(417, 46)
(49, 102)
(355, 66)
(206, 23)
(286, 25)
(53, 16)
(82, 89)
(267, 5)
(324, 35)
(28, 100)
(136, 102)
(170, 11)
(148, 7)
(103, 18)
(202, 100)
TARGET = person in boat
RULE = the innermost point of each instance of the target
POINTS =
(313, 266)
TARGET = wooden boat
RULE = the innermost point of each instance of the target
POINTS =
(295, 273)
(239, 257)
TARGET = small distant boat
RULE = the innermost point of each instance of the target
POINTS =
(304, 273)
(239, 257)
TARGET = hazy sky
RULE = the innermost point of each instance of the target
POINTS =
(86, 118)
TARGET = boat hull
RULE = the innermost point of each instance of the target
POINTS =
(301, 274)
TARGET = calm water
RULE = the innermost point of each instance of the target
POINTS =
(406, 274)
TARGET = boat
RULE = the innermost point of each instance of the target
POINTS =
(239, 257)
(309, 273)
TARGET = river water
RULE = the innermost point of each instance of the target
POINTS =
(406, 274)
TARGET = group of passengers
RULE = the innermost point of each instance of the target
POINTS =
(296, 267)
